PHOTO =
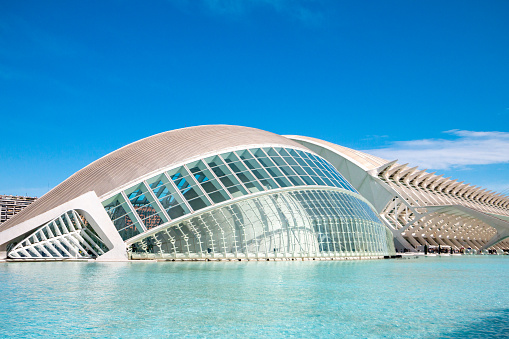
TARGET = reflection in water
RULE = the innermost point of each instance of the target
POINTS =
(425, 297)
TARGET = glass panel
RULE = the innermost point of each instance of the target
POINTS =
(285, 168)
(321, 170)
(206, 179)
(184, 183)
(165, 193)
(157, 181)
(242, 173)
(180, 177)
(271, 168)
(121, 215)
(297, 168)
(313, 175)
(300, 161)
(123, 222)
(262, 175)
(144, 204)
(115, 207)
(169, 198)
(198, 203)
(149, 216)
(136, 195)
(229, 180)
(129, 231)
(224, 174)
(177, 210)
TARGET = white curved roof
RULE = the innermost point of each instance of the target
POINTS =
(146, 156)
(366, 161)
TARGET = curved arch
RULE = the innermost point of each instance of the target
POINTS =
(146, 156)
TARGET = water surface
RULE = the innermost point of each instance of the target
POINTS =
(426, 297)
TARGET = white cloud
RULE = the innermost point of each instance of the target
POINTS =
(467, 148)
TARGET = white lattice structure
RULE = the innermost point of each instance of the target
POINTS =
(68, 236)
(422, 208)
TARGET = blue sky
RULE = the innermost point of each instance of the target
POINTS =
(424, 82)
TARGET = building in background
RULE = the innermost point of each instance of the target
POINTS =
(12, 204)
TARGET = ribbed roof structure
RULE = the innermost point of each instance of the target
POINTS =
(146, 156)
(365, 161)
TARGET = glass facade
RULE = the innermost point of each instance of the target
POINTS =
(279, 209)
(295, 223)
(199, 184)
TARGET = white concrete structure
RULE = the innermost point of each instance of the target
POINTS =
(201, 192)
(421, 208)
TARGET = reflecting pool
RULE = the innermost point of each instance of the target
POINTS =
(445, 297)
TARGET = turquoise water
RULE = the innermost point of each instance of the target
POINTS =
(446, 297)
